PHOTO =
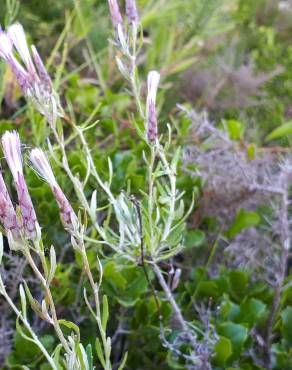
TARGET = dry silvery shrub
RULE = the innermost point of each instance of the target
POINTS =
(238, 182)
(233, 181)
(231, 81)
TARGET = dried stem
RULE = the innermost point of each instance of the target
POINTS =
(176, 309)
(285, 240)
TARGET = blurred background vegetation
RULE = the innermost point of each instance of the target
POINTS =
(232, 58)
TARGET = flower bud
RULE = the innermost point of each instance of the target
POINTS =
(115, 13)
(6, 52)
(8, 217)
(30, 72)
(17, 36)
(12, 153)
(131, 12)
(152, 86)
(42, 166)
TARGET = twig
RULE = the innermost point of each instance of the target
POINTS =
(28, 327)
(176, 309)
(285, 245)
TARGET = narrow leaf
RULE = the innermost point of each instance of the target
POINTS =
(124, 360)
(105, 312)
(99, 352)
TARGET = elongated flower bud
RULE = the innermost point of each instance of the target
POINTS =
(8, 217)
(131, 12)
(42, 166)
(6, 46)
(43, 74)
(6, 52)
(31, 73)
(12, 153)
(17, 36)
(115, 12)
(152, 85)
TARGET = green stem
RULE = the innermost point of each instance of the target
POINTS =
(28, 327)
(150, 200)
(133, 75)
(50, 300)
(95, 289)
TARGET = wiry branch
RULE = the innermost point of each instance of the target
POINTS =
(176, 309)
(285, 240)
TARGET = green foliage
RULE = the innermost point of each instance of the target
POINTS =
(281, 131)
(243, 220)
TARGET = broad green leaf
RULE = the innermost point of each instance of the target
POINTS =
(243, 220)
(236, 333)
(251, 311)
(207, 289)
(238, 282)
(235, 129)
(194, 238)
(111, 274)
(287, 324)
(229, 310)
(222, 350)
(251, 152)
(281, 131)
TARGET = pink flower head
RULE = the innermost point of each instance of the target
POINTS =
(12, 153)
(8, 217)
(115, 13)
(131, 12)
(152, 86)
(31, 73)
(42, 166)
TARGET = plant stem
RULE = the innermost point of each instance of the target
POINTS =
(285, 245)
(133, 74)
(176, 309)
(95, 289)
(150, 195)
(50, 301)
(28, 327)
(92, 165)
